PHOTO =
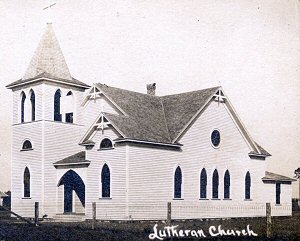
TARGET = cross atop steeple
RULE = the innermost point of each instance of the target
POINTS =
(48, 9)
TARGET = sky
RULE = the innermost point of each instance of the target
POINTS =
(250, 48)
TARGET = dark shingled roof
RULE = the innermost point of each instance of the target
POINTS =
(180, 108)
(269, 176)
(71, 81)
(144, 118)
(154, 118)
(78, 158)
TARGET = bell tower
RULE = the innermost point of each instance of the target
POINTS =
(47, 114)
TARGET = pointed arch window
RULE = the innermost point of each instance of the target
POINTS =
(26, 182)
(215, 184)
(227, 185)
(23, 99)
(247, 186)
(105, 181)
(69, 107)
(177, 183)
(32, 101)
(57, 114)
(203, 183)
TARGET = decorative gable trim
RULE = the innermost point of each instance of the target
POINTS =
(95, 93)
(102, 122)
(193, 118)
(220, 97)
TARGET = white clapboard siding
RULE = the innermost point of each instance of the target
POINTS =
(32, 160)
(151, 170)
(113, 208)
(61, 141)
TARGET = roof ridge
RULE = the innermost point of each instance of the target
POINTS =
(165, 120)
(193, 91)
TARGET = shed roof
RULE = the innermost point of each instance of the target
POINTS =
(76, 159)
(269, 176)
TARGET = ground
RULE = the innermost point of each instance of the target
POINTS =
(283, 228)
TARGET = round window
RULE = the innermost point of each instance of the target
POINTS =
(215, 138)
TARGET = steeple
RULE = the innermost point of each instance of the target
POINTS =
(48, 58)
(48, 63)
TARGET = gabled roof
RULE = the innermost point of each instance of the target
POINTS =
(269, 176)
(181, 108)
(48, 62)
(157, 119)
(76, 159)
(144, 118)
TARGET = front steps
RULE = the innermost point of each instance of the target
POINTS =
(69, 217)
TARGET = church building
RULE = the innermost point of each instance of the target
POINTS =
(132, 153)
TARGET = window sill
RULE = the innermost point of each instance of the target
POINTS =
(105, 149)
(29, 149)
(278, 204)
(227, 199)
(178, 198)
(26, 197)
(203, 199)
(215, 199)
(105, 198)
(247, 199)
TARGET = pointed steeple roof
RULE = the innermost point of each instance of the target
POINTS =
(48, 58)
(48, 62)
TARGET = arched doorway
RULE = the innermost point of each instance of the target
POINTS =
(73, 185)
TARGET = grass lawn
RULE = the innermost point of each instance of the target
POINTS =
(283, 228)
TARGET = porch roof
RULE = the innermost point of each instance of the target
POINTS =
(75, 159)
(269, 176)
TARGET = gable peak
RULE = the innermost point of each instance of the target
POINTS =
(48, 58)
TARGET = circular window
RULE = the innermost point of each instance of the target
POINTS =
(215, 138)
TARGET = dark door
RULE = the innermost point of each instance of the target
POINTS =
(72, 182)
(68, 198)
(278, 191)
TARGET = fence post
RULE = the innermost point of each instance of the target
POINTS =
(269, 220)
(94, 215)
(36, 213)
(169, 213)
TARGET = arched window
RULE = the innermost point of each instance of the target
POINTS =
(177, 182)
(27, 145)
(203, 183)
(69, 107)
(215, 184)
(106, 143)
(105, 181)
(57, 114)
(26, 182)
(247, 186)
(32, 101)
(23, 98)
(227, 185)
